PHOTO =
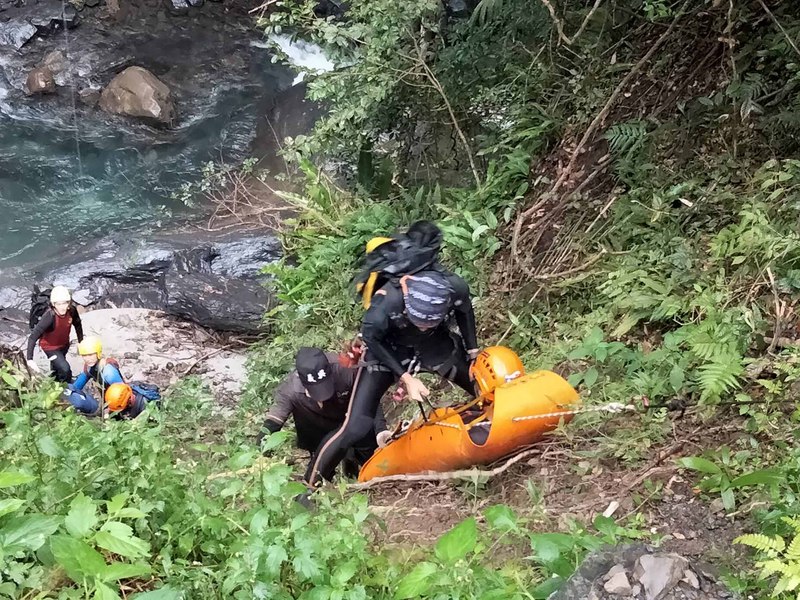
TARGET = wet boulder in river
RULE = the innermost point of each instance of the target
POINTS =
(16, 33)
(136, 92)
(40, 81)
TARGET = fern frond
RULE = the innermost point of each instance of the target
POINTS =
(717, 378)
(623, 138)
(486, 10)
(793, 550)
(761, 542)
(792, 522)
(770, 567)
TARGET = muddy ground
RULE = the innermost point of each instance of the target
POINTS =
(559, 483)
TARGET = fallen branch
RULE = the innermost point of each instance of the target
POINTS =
(202, 358)
(560, 26)
(578, 269)
(449, 475)
(778, 23)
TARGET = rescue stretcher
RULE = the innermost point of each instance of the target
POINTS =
(522, 411)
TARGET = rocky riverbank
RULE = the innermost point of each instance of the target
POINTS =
(156, 348)
(213, 280)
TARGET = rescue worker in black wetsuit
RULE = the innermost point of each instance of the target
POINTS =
(407, 324)
(316, 394)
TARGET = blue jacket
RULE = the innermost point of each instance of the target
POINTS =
(104, 377)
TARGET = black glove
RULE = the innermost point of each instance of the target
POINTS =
(270, 426)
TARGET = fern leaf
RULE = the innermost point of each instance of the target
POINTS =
(770, 567)
(717, 378)
(761, 542)
(623, 138)
(793, 551)
(486, 10)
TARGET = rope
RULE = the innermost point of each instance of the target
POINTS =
(72, 88)
(611, 407)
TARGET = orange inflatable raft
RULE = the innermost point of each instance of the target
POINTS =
(520, 413)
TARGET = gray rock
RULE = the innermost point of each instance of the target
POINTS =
(54, 17)
(16, 33)
(659, 573)
(91, 3)
(618, 584)
(615, 570)
(195, 3)
(89, 96)
(55, 61)
(216, 302)
(177, 7)
(690, 578)
(247, 257)
(594, 566)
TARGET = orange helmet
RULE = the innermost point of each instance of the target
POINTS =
(118, 396)
(495, 366)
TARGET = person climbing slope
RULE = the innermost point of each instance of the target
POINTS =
(104, 371)
(52, 332)
(127, 402)
(316, 395)
(406, 328)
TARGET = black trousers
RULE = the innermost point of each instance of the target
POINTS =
(59, 367)
(371, 384)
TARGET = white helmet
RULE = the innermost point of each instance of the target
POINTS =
(60, 294)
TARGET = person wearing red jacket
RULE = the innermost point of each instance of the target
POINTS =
(52, 332)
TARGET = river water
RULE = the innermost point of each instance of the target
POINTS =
(70, 176)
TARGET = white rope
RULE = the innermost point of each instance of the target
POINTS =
(72, 88)
(611, 407)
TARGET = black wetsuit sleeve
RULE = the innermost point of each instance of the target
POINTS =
(375, 328)
(44, 325)
(77, 324)
(465, 314)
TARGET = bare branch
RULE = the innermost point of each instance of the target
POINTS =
(778, 23)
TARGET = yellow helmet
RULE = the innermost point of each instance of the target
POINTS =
(90, 345)
(367, 288)
(118, 396)
(495, 366)
(375, 242)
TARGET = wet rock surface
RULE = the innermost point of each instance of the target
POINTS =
(642, 573)
(136, 92)
(215, 283)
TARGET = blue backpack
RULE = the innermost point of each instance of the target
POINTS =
(149, 391)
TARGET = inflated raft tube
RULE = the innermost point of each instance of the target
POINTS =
(521, 413)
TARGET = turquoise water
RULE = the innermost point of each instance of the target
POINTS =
(56, 195)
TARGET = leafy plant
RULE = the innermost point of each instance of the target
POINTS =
(720, 477)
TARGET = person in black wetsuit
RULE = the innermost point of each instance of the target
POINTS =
(406, 324)
(316, 395)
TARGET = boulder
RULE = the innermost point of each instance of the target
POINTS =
(89, 96)
(55, 61)
(16, 33)
(53, 17)
(215, 283)
(112, 7)
(136, 92)
(659, 573)
(195, 3)
(40, 81)
(217, 302)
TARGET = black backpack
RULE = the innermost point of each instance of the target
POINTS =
(40, 303)
(414, 251)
